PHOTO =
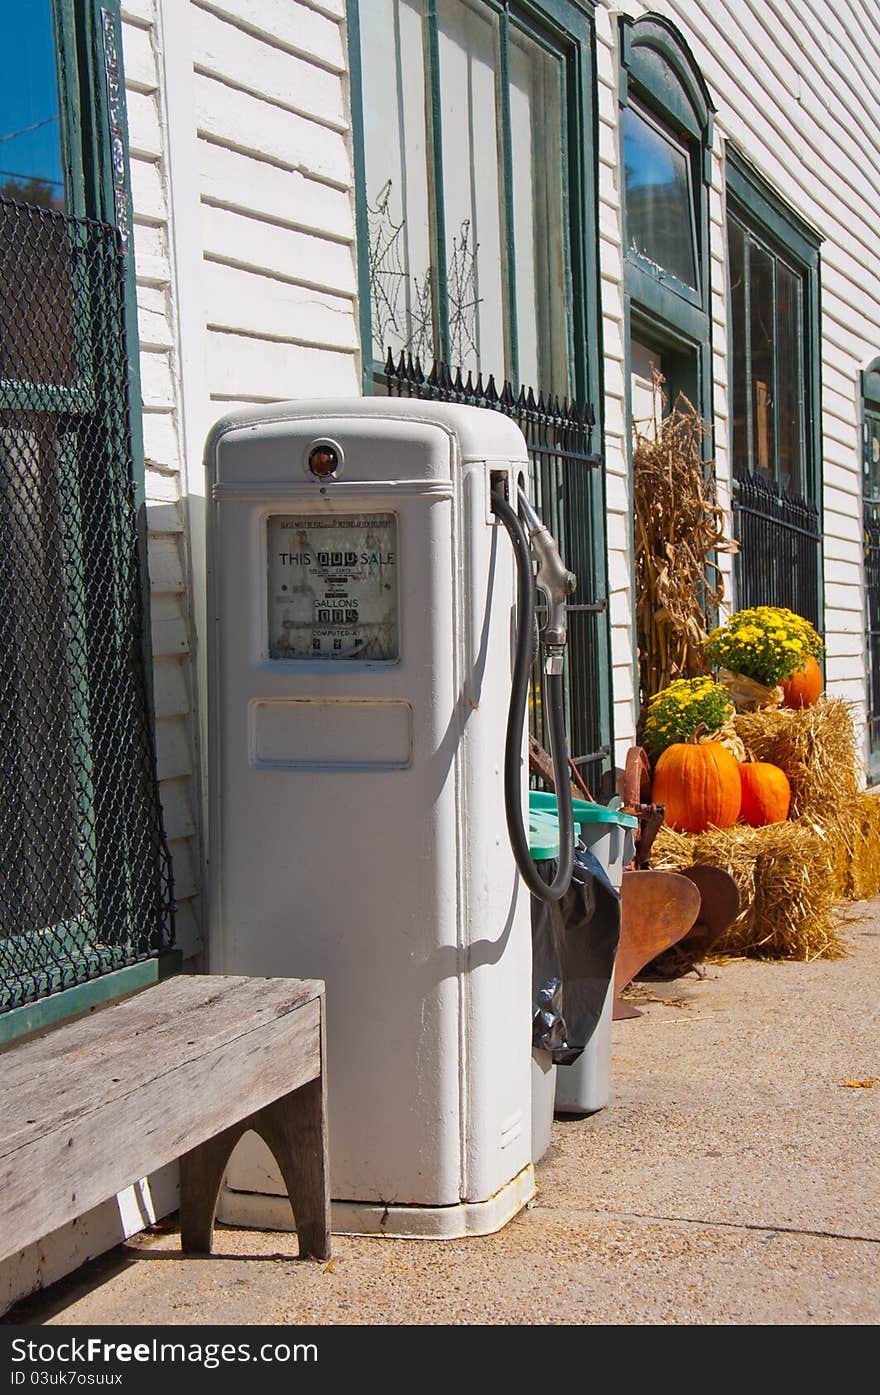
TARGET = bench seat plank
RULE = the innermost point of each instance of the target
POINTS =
(50, 1080)
(95, 1104)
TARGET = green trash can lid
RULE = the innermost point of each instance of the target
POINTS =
(543, 802)
(544, 834)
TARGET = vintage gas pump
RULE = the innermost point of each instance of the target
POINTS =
(368, 618)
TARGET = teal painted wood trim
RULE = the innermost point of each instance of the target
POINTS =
(60, 1007)
(813, 368)
(658, 61)
(440, 287)
(767, 211)
(70, 108)
(362, 232)
(582, 134)
(509, 269)
(871, 385)
(681, 318)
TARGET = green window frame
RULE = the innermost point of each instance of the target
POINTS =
(790, 247)
(569, 487)
(871, 519)
(660, 81)
(777, 510)
(563, 29)
(71, 403)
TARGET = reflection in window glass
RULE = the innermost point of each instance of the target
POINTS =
(31, 168)
(739, 431)
(462, 266)
(659, 204)
(872, 456)
(789, 401)
(767, 373)
(535, 124)
(761, 336)
(475, 243)
(396, 159)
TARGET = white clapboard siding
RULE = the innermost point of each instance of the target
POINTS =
(791, 90)
(244, 122)
(173, 751)
(160, 392)
(254, 304)
(286, 253)
(278, 193)
(178, 810)
(171, 693)
(255, 368)
(310, 30)
(255, 64)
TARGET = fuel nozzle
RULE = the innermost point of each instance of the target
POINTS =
(553, 578)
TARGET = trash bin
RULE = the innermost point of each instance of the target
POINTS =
(574, 945)
(544, 848)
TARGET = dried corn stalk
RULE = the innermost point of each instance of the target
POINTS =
(678, 525)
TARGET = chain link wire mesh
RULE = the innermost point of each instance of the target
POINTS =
(85, 875)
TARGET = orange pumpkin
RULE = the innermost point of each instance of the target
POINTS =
(699, 785)
(804, 686)
(766, 793)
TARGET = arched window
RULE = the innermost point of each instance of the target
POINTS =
(666, 138)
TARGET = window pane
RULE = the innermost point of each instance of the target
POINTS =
(739, 425)
(472, 187)
(872, 456)
(30, 136)
(659, 216)
(761, 326)
(536, 130)
(396, 159)
(790, 379)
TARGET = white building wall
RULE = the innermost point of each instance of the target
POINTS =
(789, 84)
(242, 185)
(241, 177)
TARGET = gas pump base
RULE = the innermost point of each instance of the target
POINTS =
(259, 1211)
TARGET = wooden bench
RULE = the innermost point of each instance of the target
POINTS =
(178, 1071)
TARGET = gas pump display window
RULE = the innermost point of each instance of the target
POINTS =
(333, 587)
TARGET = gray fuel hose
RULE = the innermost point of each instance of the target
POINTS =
(554, 696)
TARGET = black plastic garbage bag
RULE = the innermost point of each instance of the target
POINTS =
(574, 945)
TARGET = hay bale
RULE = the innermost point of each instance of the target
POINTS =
(816, 748)
(863, 869)
(787, 892)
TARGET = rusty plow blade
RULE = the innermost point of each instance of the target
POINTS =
(685, 912)
(657, 909)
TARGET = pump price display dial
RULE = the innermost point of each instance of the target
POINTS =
(333, 586)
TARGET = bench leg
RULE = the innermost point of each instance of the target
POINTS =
(201, 1172)
(295, 1128)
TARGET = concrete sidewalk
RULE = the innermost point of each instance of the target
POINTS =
(733, 1178)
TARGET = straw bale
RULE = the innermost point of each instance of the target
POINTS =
(863, 869)
(786, 890)
(816, 748)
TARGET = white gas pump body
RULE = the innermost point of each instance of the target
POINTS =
(356, 810)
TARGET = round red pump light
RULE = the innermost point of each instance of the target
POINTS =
(323, 461)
